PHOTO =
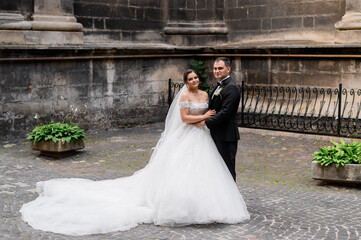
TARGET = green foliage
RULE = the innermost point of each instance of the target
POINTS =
(340, 154)
(64, 132)
(199, 67)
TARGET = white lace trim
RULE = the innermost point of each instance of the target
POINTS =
(193, 105)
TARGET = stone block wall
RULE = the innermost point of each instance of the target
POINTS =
(132, 20)
(102, 93)
(111, 59)
(124, 20)
(307, 72)
(256, 17)
(110, 92)
(185, 22)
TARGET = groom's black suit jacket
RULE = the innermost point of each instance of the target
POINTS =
(223, 125)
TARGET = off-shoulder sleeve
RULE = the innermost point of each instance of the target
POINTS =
(183, 104)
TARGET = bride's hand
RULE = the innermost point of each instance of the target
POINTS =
(209, 113)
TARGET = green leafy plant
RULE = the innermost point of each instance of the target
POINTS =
(339, 154)
(63, 132)
(200, 67)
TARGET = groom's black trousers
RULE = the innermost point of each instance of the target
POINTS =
(228, 152)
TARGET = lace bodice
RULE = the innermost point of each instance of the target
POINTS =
(194, 107)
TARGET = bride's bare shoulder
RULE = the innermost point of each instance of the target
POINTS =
(204, 94)
(184, 96)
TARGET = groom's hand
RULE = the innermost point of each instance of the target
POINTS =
(200, 124)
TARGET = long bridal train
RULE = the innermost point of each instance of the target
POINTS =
(185, 182)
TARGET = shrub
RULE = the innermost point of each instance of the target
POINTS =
(340, 154)
(199, 67)
(64, 132)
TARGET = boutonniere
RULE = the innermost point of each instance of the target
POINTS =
(218, 92)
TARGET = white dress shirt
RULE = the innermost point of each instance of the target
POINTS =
(219, 86)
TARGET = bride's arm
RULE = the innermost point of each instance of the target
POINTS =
(187, 118)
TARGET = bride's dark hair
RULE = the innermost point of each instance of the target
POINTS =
(186, 73)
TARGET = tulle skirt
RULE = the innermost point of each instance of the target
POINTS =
(185, 182)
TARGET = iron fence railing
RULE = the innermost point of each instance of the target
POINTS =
(327, 111)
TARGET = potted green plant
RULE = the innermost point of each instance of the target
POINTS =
(57, 139)
(339, 162)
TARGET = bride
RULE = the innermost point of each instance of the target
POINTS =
(185, 182)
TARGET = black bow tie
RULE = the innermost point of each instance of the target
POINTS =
(219, 84)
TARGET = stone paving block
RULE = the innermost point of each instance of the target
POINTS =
(273, 175)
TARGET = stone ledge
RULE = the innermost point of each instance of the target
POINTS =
(349, 173)
(265, 47)
(24, 37)
(217, 28)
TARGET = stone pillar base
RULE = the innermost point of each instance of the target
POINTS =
(43, 22)
(348, 36)
(13, 21)
(351, 21)
(23, 25)
(22, 37)
(56, 26)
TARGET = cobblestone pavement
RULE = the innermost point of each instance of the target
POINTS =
(274, 177)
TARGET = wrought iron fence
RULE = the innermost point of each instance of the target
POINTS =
(328, 111)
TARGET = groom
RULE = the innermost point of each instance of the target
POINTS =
(224, 99)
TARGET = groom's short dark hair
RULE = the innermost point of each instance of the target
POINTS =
(226, 61)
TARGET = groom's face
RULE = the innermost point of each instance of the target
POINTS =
(220, 70)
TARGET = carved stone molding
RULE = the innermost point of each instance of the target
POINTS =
(56, 15)
(352, 18)
(196, 28)
(13, 20)
(53, 23)
(349, 28)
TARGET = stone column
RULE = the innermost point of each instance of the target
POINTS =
(11, 19)
(198, 22)
(349, 28)
(53, 23)
(54, 15)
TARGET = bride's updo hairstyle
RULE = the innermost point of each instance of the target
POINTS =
(186, 73)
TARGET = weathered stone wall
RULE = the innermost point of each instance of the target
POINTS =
(111, 59)
(262, 17)
(131, 20)
(125, 20)
(116, 90)
(307, 72)
(102, 93)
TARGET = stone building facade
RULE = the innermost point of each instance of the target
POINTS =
(110, 60)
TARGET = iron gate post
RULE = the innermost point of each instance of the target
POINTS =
(169, 91)
(339, 110)
(242, 104)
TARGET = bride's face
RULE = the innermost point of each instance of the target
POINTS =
(192, 81)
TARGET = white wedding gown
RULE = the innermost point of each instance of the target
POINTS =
(185, 182)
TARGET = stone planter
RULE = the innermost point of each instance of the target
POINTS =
(348, 173)
(57, 149)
